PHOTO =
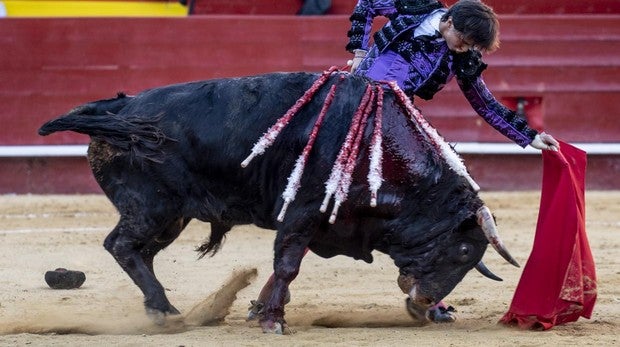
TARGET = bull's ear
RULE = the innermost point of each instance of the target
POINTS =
(469, 224)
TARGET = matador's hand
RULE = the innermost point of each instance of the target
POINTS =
(359, 56)
(544, 141)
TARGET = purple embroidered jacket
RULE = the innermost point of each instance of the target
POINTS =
(422, 65)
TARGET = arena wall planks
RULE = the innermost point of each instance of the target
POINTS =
(50, 65)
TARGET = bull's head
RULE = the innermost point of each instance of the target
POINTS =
(437, 267)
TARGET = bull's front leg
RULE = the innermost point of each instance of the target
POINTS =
(289, 251)
(257, 306)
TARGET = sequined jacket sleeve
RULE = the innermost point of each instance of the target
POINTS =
(493, 112)
(361, 21)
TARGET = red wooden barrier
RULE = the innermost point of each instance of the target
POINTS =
(49, 66)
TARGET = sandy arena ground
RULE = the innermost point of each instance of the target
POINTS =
(335, 302)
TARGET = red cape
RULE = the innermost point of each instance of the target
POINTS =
(558, 284)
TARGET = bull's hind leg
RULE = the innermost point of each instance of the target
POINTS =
(162, 241)
(133, 243)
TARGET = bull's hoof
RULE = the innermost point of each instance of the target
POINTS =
(172, 310)
(442, 314)
(64, 279)
(271, 327)
(255, 310)
(257, 307)
(417, 312)
(158, 317)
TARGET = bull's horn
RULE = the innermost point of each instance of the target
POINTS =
(486, 222)
(484, 270)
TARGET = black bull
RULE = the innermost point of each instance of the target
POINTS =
(171, 154)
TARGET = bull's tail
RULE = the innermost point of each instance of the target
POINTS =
(132, 133)
(94, 119)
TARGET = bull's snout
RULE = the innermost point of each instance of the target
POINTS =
(417, 305)
(408, 284)
(405, 283)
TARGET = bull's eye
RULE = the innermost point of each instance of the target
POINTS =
(465, 252)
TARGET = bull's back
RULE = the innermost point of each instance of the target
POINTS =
(219, 118)
(209, 128)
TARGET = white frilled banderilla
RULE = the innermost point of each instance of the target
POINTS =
(339, 181)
